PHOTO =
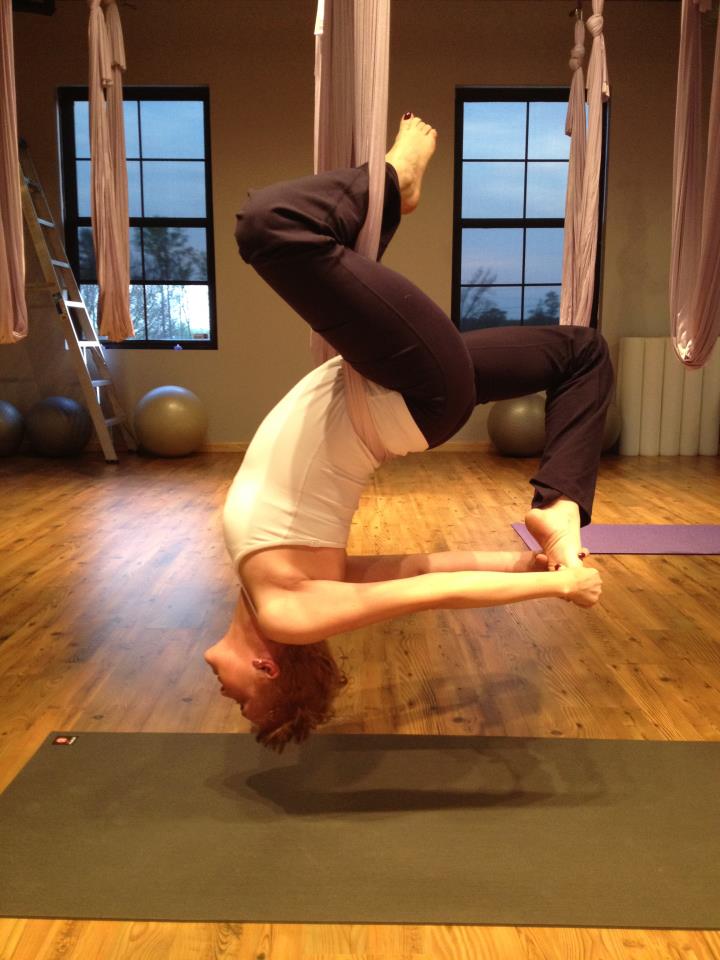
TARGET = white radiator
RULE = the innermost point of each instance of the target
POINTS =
(667, 409)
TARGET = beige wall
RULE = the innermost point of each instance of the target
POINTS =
(257, 58)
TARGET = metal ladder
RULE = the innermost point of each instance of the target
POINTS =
(86, 350)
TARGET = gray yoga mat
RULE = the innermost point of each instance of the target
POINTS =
(366, 829)
(639, 538)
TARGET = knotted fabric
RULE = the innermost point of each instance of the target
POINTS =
(352, 50)
(585, 226)
(575, 129)
(108, 178)
(13, 308)
(695, 252)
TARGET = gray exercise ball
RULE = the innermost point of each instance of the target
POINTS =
(517, 427)
(12, 428)
(170, 421)
(58, 427)
(613, 426)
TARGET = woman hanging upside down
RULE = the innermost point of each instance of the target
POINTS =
(289, 509)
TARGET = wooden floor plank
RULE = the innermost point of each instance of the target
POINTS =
(114, 579)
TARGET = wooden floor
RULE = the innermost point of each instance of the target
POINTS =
(113, 579)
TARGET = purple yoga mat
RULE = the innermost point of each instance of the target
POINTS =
(642, 537)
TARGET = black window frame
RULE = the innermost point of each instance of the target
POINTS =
(537, 94)
(67, 97)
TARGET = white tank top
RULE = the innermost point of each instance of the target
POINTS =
(302, 476)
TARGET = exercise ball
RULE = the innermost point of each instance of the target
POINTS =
(58, 427)
(11, 429)
(517, 427)
(613, 426)
(170, 421)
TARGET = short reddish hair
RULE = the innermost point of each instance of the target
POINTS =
(301, 697)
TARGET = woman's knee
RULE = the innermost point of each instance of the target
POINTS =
(592, 350)
(446, 414)
(590, 344)
(255, 225)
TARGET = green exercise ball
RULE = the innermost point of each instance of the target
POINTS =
(11, 429)
(170, 422)
(517, 427)
(58, 427)
(613, 426)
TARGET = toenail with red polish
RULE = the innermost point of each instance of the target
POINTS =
(407, 116)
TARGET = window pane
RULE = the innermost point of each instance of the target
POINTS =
(493, 190)
(494, 131)
(175, 189)
(173, 128)
(542, 305)
(489, 307)
(135, 255)
(175, 253)
(82, 175)
(86, 254)
(491, 255)
(176, 312)
(547, 184)
(90, 293)
(82, 128)
(546, 132)
(134, 192)
(82, 169)
(543, 255)
(132, 129)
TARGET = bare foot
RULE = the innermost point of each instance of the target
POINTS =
(410, 155)
(557, 529)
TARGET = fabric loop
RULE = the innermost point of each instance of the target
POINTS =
(695, 253)
(352, 55)
(108, 174)
(582, 199)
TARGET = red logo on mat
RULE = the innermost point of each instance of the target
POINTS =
(64, 741)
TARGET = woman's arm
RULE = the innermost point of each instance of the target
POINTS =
(366, 569)
(317, 609)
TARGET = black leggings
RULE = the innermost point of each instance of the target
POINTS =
(299, 236)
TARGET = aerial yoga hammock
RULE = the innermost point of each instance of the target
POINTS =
(289, 510)
(13, 309)
(695, 256)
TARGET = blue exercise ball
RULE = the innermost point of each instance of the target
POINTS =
(12, 428)
(517, 426)
(170, 422)
(58, 427)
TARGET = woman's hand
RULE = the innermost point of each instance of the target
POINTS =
(537, 562)
(583, 585)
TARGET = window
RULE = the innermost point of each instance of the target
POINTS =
(511, 160)
(172, 290)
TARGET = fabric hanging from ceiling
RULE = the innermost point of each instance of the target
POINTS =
(695, 249)
(575, 129)
(586, 220)
(13, 308)
(352, 55)
(108, 182)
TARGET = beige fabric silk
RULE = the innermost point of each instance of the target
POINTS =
(575, 129)
(109, 172)
(598, 91)
(352, 50)
(13, 308)
(695, 252)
